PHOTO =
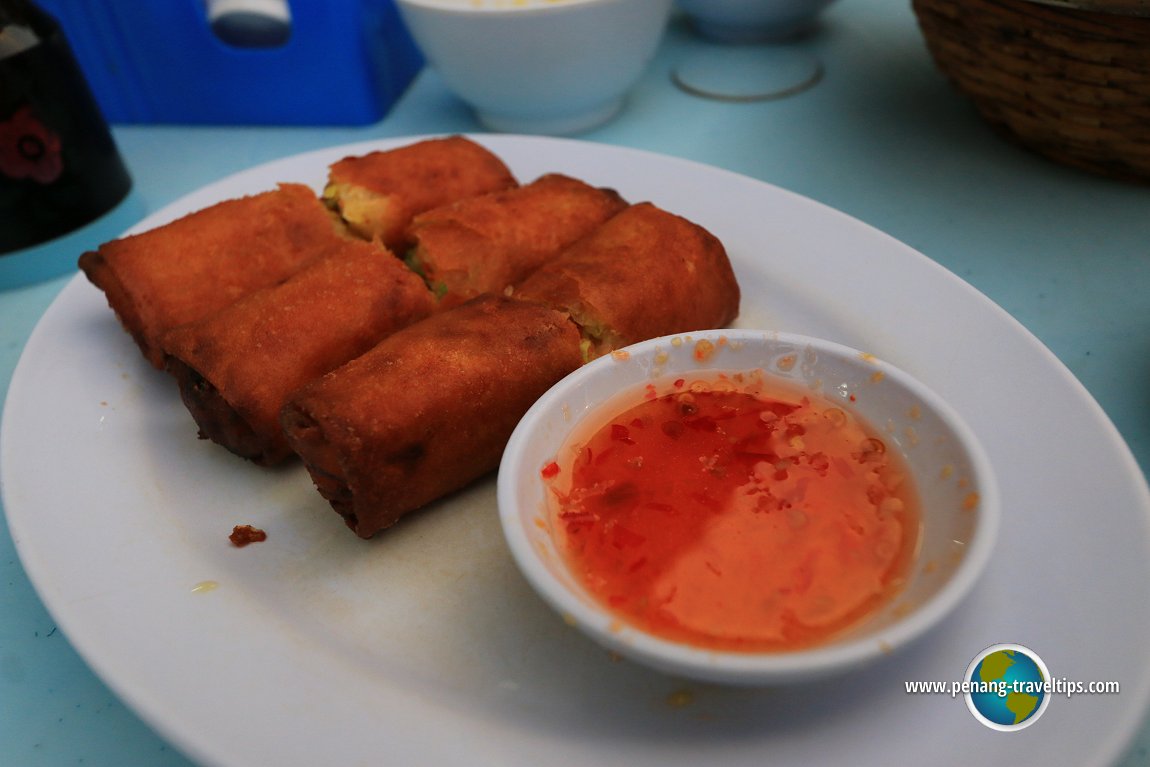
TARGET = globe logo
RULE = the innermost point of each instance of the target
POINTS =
(1007, 687)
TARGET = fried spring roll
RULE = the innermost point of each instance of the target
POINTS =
(197, 265)
(378, 194)
(236, 368)
(489, 243)
(429, 409)
(643, 274)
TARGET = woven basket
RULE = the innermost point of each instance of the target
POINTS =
(1071, 83)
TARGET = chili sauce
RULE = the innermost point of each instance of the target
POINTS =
(737, 512)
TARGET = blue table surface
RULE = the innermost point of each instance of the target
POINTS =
(883, 138)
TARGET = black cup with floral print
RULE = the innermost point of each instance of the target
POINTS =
(59, 166)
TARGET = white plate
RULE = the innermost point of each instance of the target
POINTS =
(425, 646)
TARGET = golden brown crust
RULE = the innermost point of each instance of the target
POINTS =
(237, 367)
(429, 409)
(489, 243)
(194, 266)
(643, 274)
(287, 334)
(379, 193)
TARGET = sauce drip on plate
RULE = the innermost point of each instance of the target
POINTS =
(735, 517)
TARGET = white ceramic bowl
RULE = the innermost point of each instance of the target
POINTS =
(539, 66)
(749, 21)
(944, 457)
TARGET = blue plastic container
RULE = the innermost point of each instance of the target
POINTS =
(344, 62)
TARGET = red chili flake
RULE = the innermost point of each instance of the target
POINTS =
(621, 433)
(242, 535)
(625, 538)
(649, 392)
(702, 423)
(549, 471)
(601, 457)
(680, 383)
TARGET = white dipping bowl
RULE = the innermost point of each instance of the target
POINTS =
(944, 457)
(539, 66)
(751, 21)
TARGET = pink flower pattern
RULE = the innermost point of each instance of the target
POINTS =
(29, 149)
